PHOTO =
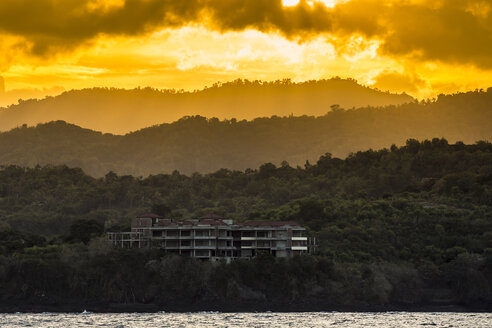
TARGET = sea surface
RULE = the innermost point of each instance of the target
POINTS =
(270, 320)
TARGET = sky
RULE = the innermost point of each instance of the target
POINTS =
(420, 47)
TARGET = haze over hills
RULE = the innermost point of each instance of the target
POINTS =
(198, 144)
(121, 111)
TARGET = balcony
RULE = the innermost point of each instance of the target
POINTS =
(186, 237)
(269, 238)
(169, 237)
(299, 238)
(226, 247)
(205, 237)
(299, 248)
(205, 247)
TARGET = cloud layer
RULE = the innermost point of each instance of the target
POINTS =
(452, 31)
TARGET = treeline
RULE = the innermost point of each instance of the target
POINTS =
(121, 111)
(405, 226)
(428, 176)
(77, 277)
(197, 144)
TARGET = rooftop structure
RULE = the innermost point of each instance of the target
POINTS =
(213, 237)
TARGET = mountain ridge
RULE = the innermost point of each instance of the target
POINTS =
(197, 144)
(120, 111)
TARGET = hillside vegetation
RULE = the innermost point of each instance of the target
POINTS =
(396, 228)
(197, 144)
(121, 111)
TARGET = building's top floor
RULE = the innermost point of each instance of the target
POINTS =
(154, 221)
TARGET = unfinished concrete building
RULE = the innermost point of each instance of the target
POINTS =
(212, 237)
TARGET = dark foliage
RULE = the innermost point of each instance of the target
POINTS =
(84, 230)
(406, 225)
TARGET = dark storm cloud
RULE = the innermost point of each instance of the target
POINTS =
(456, 31)
(450, 33)
(66, 23)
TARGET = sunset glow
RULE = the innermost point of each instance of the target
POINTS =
(418, 47)
(290, 2)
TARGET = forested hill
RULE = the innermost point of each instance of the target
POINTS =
(121, 111)
(197, 144)
(429, 175)
(396, 228)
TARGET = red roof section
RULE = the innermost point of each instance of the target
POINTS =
(170, 222)
(211, 222)
(165, 223)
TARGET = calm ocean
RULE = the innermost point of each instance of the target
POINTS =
(270, 320)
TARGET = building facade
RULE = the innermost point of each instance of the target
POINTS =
(212, 237)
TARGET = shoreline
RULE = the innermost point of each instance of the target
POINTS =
(243, 308)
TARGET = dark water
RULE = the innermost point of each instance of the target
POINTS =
(270, 320)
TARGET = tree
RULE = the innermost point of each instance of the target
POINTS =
(161, 209)
(84, 230)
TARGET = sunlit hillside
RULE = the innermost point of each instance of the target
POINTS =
(198, 144)
(120, 111)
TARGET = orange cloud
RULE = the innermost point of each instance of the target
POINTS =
(449, 30)
(393, 44)
(399, 81)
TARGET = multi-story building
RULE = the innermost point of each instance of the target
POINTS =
(212, 237)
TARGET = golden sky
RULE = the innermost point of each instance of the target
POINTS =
(421, 47)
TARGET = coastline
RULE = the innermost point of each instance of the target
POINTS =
(243, 307)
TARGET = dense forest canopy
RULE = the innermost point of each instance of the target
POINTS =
(427, 177)
(197, 144)
(404, 226)
(121, 111)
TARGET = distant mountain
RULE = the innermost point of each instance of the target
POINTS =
(121, 111)
(198, 144)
